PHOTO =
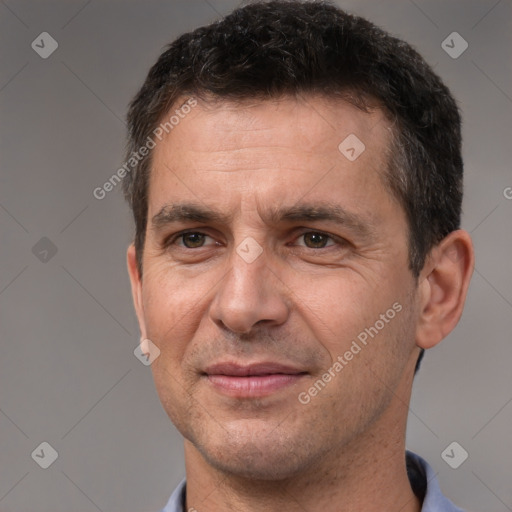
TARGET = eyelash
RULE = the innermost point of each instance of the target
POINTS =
(172, 239)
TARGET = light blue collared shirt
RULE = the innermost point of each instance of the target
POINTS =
(420, 474)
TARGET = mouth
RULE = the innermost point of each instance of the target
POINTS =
(253, 380)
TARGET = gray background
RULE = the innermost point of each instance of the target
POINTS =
(68, 373)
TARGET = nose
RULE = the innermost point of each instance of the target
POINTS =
(249, 294)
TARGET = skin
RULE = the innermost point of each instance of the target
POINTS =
(301, 302)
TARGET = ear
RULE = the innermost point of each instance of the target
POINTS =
(136, 284)
(443, 285)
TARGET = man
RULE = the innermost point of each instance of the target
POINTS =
(296, 189)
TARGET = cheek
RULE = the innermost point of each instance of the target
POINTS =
(368, 351)
(369, 327)
(339, 307)
(172, 309)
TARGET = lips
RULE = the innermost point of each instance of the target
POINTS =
(252, 380)
(237, 370)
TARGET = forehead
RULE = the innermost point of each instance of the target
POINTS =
(277, 149)
(300, 122)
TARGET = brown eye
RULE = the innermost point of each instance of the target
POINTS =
(315, 240)
(193, 240)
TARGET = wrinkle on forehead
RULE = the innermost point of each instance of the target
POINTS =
(226, 125)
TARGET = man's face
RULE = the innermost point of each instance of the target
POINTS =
(306, 249)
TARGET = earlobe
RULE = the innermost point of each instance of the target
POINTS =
(443, 287)
(136, 286)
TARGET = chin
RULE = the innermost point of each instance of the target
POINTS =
(250, 463)
(256, 454)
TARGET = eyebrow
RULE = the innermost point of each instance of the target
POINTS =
(182, 212)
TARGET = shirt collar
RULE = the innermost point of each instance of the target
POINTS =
(434, 500)
(422, 476)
